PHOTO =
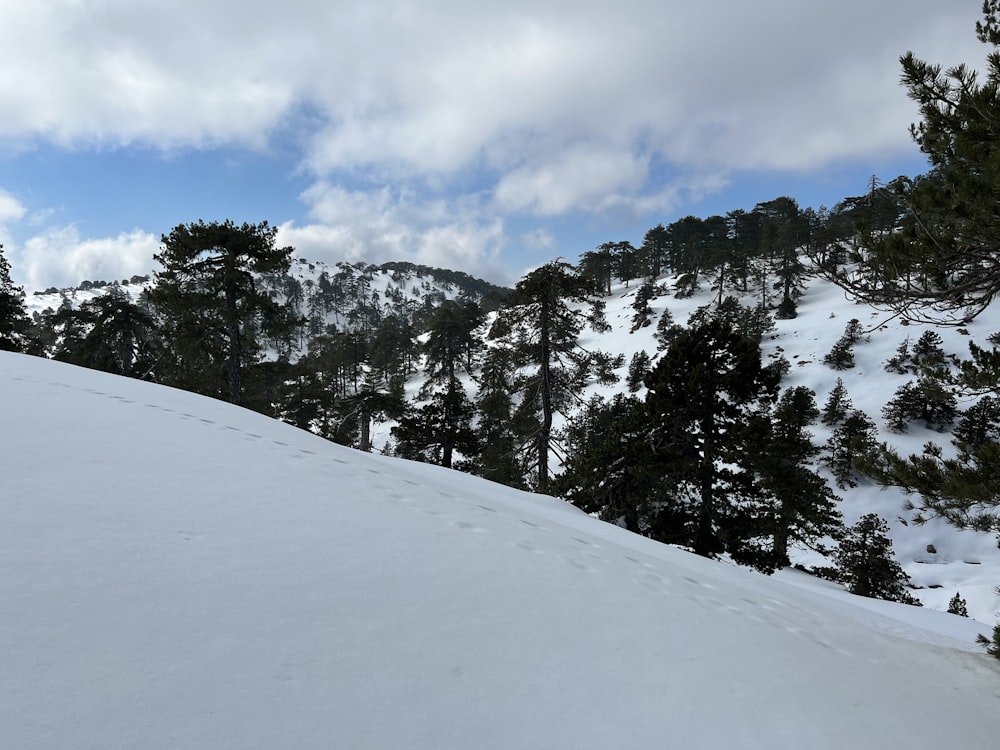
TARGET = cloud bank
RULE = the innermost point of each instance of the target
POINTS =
(491, 112)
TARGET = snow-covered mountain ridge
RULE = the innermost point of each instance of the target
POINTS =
(180, 572)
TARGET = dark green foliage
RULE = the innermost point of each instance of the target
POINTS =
(638, 368)
(961, 489)
(841, 356)
(666, 329)
(979, 425)
(853, 441)
(610, 469)
(992, 645)
(901, 362)
(752, 322)
(942, 263)
(804, 508)
(437, 430)
(784, 233)
(213, 312)
(927, 352)
(925, 400)
(708, 400)
(853, 331)
(640, 304)
(14, 321)
(503, 430)
(838, 405)
(121, 337)
(867, 565)
(542, 326)
(957, 606)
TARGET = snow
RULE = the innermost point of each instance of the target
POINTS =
(179, 572)
(965, 562)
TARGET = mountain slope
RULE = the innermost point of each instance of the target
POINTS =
(179, 572)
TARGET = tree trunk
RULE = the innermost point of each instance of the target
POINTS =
(546, 387)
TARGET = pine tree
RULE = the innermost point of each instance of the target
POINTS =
(610, 469)
(841, 356)
(852, 441)
(902, 361)
(502, 432)
(838, 405)
(638, 368)
(542, 325)
(14, 321)
(666, 329)
(957, 606)
(213, 310)
(927, 352)
(640, 304)
(804, 507)
(992, 645)
(867, 565)
(121, 337)
(708, 399)
(926, 400)
(941, 264)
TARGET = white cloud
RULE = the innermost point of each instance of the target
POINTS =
(11, 209)
(61, 258)
(442, 86)
(383, 225)
(474, 113)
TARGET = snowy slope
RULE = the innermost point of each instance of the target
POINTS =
(178, 572)
(964, 562)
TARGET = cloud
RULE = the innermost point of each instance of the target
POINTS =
(386, 224)
(11, 209)
(442, 87)
(475, 115)
(61, 258)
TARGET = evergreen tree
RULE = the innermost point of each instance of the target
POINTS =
(213, 310)
(927, 352)
(503, 434)
(841, 356)
(942, 263)
(902, 361)
(437, 430)
(804, 508)
(707, 401)
(957, 606)
(122, 338)
(992, 645)
(666, 329)
(638, 368)
(867, 565)
(926, 400)
(610, 470)
(784, 233)
(14, 321)
(851, 443)
(542, 322)
(640, 304)
(838, 405)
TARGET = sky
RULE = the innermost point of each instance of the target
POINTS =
(486, 137)
(197, 575)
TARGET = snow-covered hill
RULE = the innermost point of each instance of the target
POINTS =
(179, 572)
(962, 561)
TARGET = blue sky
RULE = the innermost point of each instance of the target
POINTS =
(485, 137)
